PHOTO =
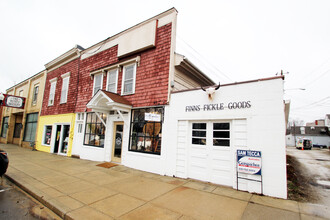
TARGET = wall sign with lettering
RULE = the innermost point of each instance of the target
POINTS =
(218, 106)
(13, 101)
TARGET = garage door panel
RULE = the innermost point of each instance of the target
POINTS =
(217, 164)
(208, 162)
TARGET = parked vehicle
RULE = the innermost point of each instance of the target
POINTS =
(320, 146)
(3, 163)
(304, 144)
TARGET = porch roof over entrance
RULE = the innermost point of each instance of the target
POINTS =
(104, 101)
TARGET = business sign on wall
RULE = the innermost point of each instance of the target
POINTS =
(249, 162)
(13, 101)
(219, 106)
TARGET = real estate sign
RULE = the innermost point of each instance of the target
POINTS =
(249, 162)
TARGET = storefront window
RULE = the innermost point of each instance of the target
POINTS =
(94, 130)
(30, 127)
(47, 134)
(146, 130)
(4, 127)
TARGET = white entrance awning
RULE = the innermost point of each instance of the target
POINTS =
(104, 101)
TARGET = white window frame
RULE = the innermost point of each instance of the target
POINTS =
(100, 74)
(80, 118)
(108, 79)
(124, 76)
(34, 102)
(52, 92)
(65, 85)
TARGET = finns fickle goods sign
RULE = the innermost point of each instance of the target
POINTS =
(13, 101)
(249, 162)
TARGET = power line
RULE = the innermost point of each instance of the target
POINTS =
(208, 62)
(314, 103)
(313, 81)
(310, 73)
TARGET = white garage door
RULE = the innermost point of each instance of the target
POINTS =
(210, 155)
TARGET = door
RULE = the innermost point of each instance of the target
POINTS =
(57, 138)
(64, 139)
(117, 141)
(210, 155)
(61, 139)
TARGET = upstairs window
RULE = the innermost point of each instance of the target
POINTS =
(98, 78)
(52, 92)
(112, 81)
(128, 86)
(65, 87)
(20, 93)
(35, 94)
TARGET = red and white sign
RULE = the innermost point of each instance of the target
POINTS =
(13, 101)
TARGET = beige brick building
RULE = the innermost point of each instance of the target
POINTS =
(19, 126)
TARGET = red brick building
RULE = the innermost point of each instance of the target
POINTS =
(107, 102)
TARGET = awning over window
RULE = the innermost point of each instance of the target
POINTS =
(104, 101)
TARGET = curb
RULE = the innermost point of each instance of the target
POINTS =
(37, 197)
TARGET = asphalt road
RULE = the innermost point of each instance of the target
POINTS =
(14, 204)
(316, 163)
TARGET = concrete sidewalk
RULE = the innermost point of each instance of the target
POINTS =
(78, 189)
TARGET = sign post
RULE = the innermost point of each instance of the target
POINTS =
(249, 162)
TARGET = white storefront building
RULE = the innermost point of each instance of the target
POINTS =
(200, 136)
(203, 135)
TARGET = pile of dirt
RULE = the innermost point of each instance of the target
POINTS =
(299, 183)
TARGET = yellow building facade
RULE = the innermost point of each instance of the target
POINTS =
(55, 134)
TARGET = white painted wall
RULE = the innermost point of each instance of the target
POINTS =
(97, 153)
(260, 127)
(136, 38)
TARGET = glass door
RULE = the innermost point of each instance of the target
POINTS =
(57, 138)
(117, 141)
(61, 139)
(65, 139)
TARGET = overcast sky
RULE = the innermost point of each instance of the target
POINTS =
(229, 40)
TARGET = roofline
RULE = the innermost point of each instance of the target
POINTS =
(236, 83)
(64, 58)
(199, 70)
(132, 27)
(31, 77)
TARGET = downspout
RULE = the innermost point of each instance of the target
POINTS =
(77, 89)
(20, 143)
